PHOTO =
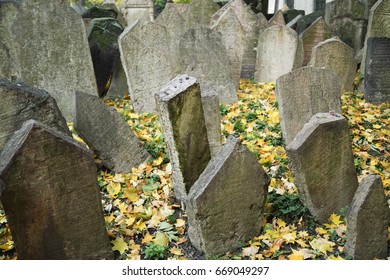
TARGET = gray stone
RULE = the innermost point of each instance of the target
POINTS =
(180, 111)
(277, 19)
(107, 133)
(316, 33)
(368, 220)
(304, 22)
(181, 7)
(146, 61)
(48, 49)
(226, 204)
(292, 14)
(276, 52)
(134, 10)
(200, 12)
(337, 56)
(20, 103)
(321, 159)
(51, 196)
(377, 71)
(118, 82)
(293, 23)
(304, 93)
(204, 56)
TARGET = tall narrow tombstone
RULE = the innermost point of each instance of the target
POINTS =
(200, 12)
(181, 114)
(147, 64)
(321, 159)
(304, 93)
(226, 204)
(51, 196)
(307, 20)
(277, 19)
(204, 56)
(20, 103)
(368, 220)
(337, 56)
(276, 52)
(118, 82)
(47, 48)
(107, 133)
(377, 71)
(316, 33)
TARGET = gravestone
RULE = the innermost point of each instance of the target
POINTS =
(304, 93)
(377, 72)
(181, 114)
(277, 19)
(321, 159)
(180, 7)
(276, 53)
(293, 23)
(200, 12)
(51, 196)
(226, 204)
(118, 82)
(204, 56)
(134, 10)
(102, 11)
(314, 34)
(103, 36)
(289, 15)
(107, 133)
(233, 37)
(20, 103)
(146, 61)
(304, 22)
(337, 56)
(368, 220)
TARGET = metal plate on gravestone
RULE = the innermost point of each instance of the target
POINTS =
(100, 12)
(377, 72)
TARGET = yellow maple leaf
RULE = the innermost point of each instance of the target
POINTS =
(290, 237)
(333, 257)
(119, 245)
(147, 238)
(302, 243)
(296, 255)
(131, 194)
(180, 223)
(161, 239)
(249, 251)
(320, 230)
(322, 245)
(113, 189)
(140, 225)
(335, 219)
(176, 251)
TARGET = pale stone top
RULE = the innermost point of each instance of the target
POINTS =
(175, 87)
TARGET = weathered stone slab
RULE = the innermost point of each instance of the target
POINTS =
(107, 133)
(134, 10)
(51, 196)
(368, 220)
(277, 19)
(102, 11)
(377, 72)
(204, 56)
(337, 56)
(46, 52)
(181, 7)
(226, 204)
(20, 103)
(118, 82)
(304, 93)
(321, 159)
(200, 12)
(316, 33)
(289, 15)
(293, 23)
(146, 61)
(304, 22)
(276, 52)
(181, 114)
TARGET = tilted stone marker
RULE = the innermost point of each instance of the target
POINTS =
(118, 82)
(107, 133)
(200, 12)
(276, 52)
(51, 196)
(146, 61)
(304, 22)
(20, 103)
(204, 56)
(290, 15)
(226, 204)
(180, 111)
(368, 220)
(277, 19)
(47, 48)
(377, 72)
(180, 7)
(337, 56)
(321, 159)
(293, 23)
(304, 93)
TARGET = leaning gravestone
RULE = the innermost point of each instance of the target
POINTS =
(377, 71)
(277, 19)
(204, 56)
(337, 56)
(368, 220)
(107, 133)
(321, 159)
(304, 93)
(316, 33)
(289, 15)
(181, 115)
(307, 20)
(180, 7)
(226, 204)
(48, 48)
(118, 82)
(146, 61)
(20, 103)
(200, 12)
(293, 23)
(51, 196)
(276, 52)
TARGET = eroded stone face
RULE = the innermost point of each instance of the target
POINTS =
(200, 12)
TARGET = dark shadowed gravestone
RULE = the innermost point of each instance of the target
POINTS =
(118, 82)
(322, 162)
(305, 21)
(290, 15)
(200, 12)
(181, 114)
(107, 133)
(100, 12)
(20, 103)
(51, 196)
(226, 204)
(304, 93)
(368, 220)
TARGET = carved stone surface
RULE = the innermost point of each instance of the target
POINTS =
(200, 12)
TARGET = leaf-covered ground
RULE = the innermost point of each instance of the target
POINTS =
(144, 221)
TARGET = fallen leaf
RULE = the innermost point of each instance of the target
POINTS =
(119, 245)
